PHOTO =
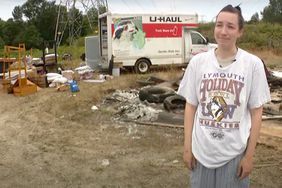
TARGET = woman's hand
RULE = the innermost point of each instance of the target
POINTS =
(189, 160)
(245, 167)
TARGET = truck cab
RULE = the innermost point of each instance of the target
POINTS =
(194, 43)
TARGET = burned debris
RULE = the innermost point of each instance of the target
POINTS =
(157, 99)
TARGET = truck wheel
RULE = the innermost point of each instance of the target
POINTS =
(142, 66)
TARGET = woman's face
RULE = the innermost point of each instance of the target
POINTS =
(226, 31)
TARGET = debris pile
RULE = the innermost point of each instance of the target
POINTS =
(129, 107)
(85, 72)
(274, 107)
(155, 100)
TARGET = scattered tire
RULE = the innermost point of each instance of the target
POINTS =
(142, 66)
(145, 82)
(155, 94)
(174, 102)
(152, 80)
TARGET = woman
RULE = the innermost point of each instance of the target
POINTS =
(224, 89)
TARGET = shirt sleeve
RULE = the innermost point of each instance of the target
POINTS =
(187, 87)
(259, 93)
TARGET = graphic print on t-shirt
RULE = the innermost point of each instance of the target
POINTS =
(220, 99)
(217, 108)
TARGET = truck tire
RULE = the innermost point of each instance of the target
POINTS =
(142, 66)
(174, 102)
(155, 94)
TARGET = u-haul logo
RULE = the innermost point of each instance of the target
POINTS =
(165, 19)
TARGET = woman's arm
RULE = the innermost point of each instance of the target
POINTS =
(246, 164)
(189, 115)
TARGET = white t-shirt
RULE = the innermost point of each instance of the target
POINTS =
(224, 97)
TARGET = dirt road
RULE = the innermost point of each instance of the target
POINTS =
(53, 139)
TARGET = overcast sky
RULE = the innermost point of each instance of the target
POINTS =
(206, 9)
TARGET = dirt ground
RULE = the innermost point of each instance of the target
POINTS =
(54, 139)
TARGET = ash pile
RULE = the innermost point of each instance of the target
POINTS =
(127, 106)
(151, 103)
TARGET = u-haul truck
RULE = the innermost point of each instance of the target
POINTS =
(145, 40)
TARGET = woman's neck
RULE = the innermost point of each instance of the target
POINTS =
(224, 53)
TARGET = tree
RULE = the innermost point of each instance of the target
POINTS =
(40, 23)
(45, 21)
(32, 8)
(2, 25)
(74, 24)
(17, 13)
(255, 18)
(2, 43)
(10, 30)
(90, 22)
(273, 12)
(102, 9)
(30, 36)
(42, 14)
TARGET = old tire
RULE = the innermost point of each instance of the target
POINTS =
(174, 102)
(142, 66)
(155, 94)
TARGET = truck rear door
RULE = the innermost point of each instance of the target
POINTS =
(103, 38)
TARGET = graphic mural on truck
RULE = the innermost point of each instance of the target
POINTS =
(129, 30)
(149, 35)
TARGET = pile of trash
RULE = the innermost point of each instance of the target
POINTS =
(130, 107)
(149, 103)
(274, 107)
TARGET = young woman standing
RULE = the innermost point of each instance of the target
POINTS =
(224, 89)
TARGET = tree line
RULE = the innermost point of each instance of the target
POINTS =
(35, 22)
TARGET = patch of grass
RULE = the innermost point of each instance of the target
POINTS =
(272, 60)
(70, 64)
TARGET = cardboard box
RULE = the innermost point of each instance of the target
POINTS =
(39, 80)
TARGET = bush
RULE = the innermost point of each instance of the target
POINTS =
(256, 36)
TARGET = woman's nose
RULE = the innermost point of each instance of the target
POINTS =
(224, 30)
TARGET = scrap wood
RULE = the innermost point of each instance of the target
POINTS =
(267, 165)
(62, 87)
(272, 108)
(272, 129)
(262, 141)
(274, 117)
(266, 132)
(156, 124)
